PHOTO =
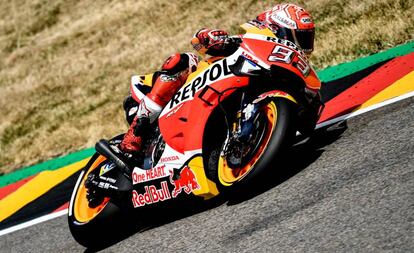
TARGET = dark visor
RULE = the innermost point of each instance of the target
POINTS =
(303, 37)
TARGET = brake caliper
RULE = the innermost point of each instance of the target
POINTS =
(237, 144)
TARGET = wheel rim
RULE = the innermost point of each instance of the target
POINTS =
(228, 175)
(82, 212)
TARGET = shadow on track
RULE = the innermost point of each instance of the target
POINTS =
(291, 162)
(151, 218)
(302, 154)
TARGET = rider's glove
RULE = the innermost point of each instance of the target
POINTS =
(208, 41)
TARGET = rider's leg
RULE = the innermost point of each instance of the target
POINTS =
(175, 71)
(147, 113)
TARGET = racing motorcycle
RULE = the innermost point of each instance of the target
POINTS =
(221, 130)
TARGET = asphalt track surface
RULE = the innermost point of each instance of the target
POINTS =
(349, 189)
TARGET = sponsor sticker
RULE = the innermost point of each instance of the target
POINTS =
(169, 159)
(306, 20)
(284, 20)
(183, 180)
(249, 57)
(283, 42)
(168, 78)
(107, 167)
(151, 195)
(140, 176)
(217, 71)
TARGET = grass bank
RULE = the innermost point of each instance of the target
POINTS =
(65, 65)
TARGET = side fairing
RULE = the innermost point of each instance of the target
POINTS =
(183, 120)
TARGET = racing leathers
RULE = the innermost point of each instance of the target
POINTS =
(166, 83)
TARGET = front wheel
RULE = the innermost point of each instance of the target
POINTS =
(239, 163)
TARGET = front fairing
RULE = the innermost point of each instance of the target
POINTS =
(271, 52)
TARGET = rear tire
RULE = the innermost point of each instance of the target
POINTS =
(94, 227)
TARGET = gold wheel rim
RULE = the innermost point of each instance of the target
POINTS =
(82, 212)
(227, 176)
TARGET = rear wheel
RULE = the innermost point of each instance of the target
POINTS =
(239, 163)
(91, 224)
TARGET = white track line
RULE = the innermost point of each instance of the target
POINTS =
(326, 123)
(33, 222)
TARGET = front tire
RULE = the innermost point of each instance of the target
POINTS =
(275, 133)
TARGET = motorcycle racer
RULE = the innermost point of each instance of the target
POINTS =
(286, 21)
(269, 92)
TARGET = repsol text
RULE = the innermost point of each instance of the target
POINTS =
(213, 73)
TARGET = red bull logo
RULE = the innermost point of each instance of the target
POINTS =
(151, 195)
(183, 180)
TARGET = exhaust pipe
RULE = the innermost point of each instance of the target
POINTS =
(103, 148)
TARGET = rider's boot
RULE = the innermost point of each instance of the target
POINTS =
(147, 113)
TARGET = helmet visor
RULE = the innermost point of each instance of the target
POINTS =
(301, 37)
(305, 39)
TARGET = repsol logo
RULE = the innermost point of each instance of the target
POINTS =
(214, 73)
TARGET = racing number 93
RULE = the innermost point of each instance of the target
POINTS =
(287, 55)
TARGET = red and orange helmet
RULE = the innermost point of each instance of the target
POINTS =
(290, 22)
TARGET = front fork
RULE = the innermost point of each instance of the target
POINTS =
(243, 127)
(241, 130)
